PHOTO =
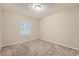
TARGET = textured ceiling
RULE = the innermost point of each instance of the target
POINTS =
(47, 8)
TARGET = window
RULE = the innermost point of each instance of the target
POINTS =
(25, 27)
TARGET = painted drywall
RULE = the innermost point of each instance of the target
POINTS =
(61, 28)
(11, 28)
(0, 27)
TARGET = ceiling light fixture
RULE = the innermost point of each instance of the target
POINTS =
(37, 6)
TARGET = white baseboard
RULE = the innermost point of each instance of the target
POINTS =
(60, 44)
(17, 43)
(41, 39)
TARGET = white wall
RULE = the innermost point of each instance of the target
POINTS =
(0, 27)
(62, 28)
(11, 28)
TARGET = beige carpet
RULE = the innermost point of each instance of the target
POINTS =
(37, 48)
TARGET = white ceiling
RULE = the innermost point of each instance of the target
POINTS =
(47, 8)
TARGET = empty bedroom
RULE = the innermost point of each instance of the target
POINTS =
(39, 29)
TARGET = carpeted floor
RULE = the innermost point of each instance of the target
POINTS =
(38, 48)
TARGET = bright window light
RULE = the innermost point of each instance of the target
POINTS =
(25, 27)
